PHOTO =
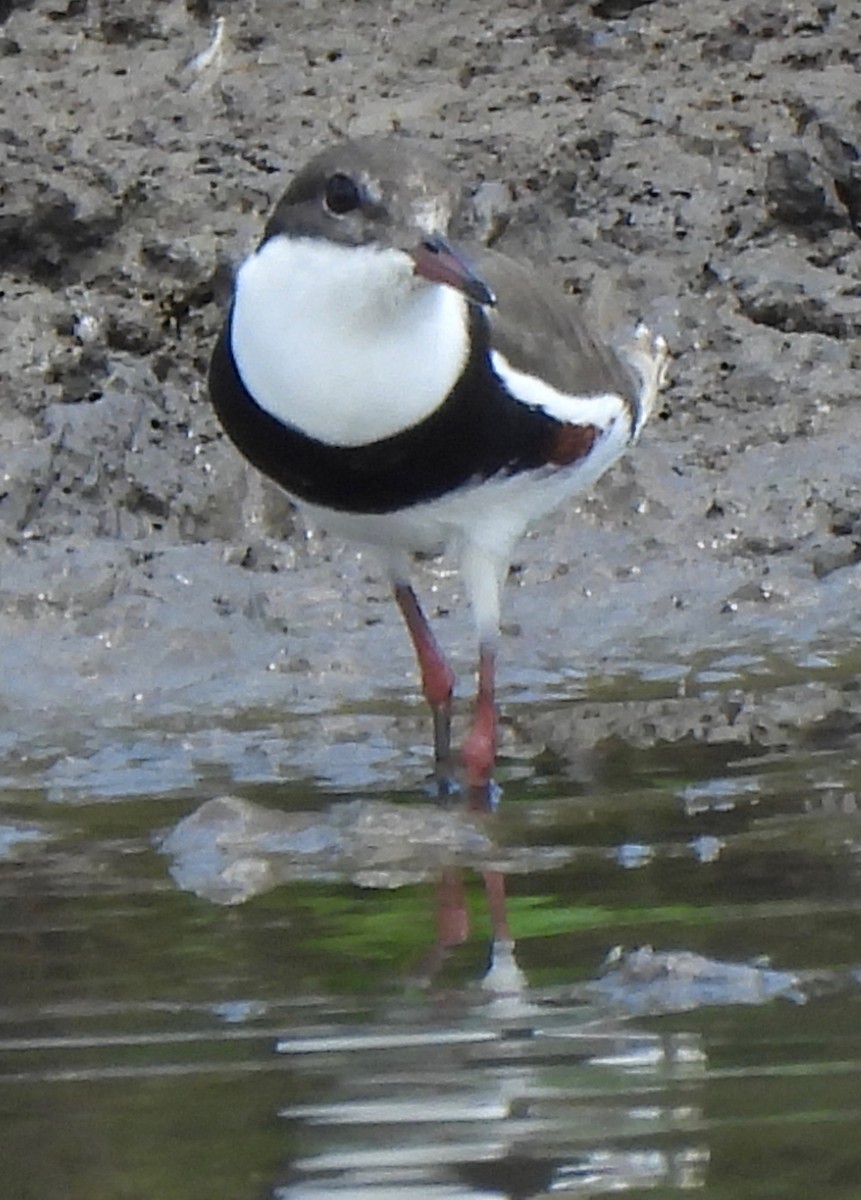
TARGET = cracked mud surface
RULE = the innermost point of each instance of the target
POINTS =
(696, 164)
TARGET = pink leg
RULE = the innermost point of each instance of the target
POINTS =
(437, 675)
(494, 881)
(479, 750)
(452, 918)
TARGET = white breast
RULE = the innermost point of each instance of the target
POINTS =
(345, 343)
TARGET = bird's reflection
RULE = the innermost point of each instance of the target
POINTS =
(451, 914)
(509, 1090)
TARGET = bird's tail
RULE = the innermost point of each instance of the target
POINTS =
(648, 357)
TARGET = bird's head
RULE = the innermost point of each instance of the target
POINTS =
(390, 194)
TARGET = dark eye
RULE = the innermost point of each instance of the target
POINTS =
(342, 194)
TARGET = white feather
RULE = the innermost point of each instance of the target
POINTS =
(600, 408)
(345, 343)
(480, 524)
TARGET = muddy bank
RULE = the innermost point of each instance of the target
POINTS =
(697, 164)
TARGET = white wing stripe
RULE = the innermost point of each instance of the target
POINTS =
(601, 409)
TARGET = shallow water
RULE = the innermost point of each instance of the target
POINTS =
(441, 1023)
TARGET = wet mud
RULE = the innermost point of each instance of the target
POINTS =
(697, 165)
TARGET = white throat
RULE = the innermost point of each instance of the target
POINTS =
(344, 342)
